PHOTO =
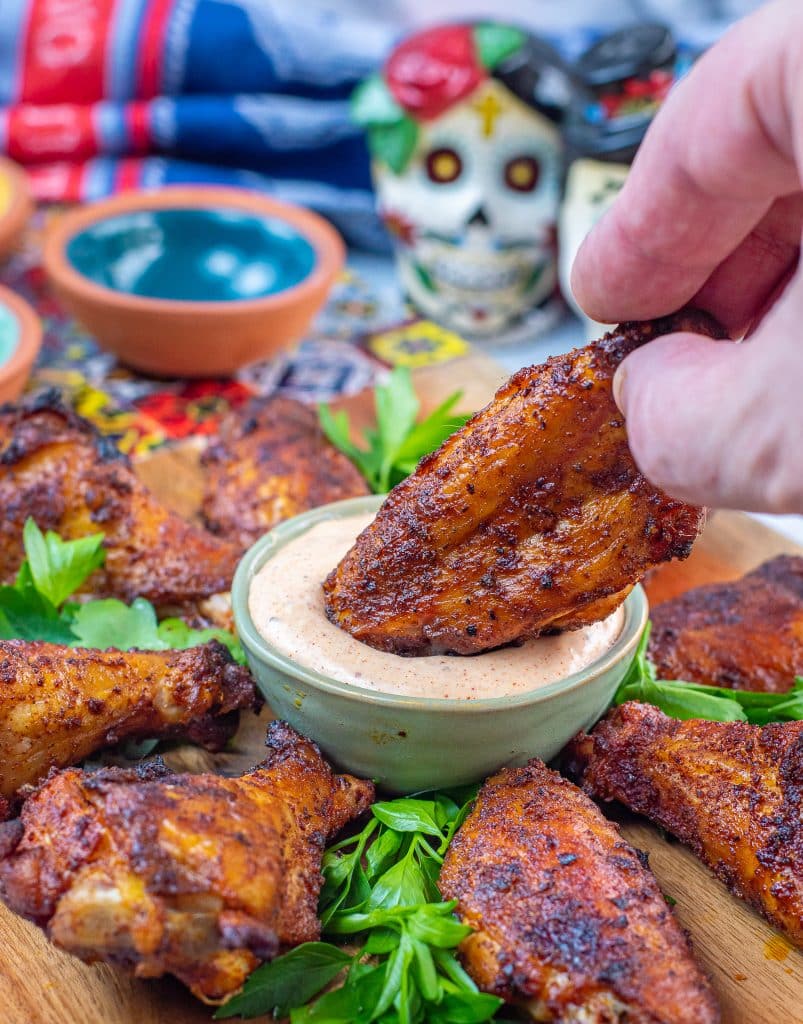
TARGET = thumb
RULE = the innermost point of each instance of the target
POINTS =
(720, 423)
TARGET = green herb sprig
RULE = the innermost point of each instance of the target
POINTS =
(397, 443)
(380, 893)
(39, 605)
(683, 700)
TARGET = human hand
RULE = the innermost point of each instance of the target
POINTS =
(711, 214)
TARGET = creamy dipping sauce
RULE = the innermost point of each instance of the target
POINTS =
(286, 603)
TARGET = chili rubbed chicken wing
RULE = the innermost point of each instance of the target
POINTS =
(269, 463)
(746, 634)
(569, 923)
(194, 875)
(731, 791)
(532, 517)
(56, 468)
(60, 704)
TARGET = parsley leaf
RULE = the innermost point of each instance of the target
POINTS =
(397, 443)
(380, 891)
(26, 615)
(289, 981)
(683, 700)
(59, 567)
(37, 606)
(111, 623)
(406, 815)
(177, 635)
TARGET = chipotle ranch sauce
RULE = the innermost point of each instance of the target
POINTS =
(287, 606)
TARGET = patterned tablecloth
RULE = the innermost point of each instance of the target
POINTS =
(352, 342)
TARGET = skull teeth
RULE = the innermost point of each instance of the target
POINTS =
(483, 277)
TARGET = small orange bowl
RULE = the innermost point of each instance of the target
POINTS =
(196, 281)
(20, 341)
(16, 204)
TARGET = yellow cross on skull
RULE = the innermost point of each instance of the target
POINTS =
(489, 108)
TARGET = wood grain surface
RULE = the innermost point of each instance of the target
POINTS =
(757, 975)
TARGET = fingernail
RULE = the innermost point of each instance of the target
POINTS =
(619, 379)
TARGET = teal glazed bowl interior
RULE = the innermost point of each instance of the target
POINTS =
(409, 744)
(20, 340)
(214, 254)
(9, 334)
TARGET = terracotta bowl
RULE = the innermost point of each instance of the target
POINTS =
(20, 341)
(16, 204)
(196, 281)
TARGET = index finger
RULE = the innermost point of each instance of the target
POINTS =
(717, 155)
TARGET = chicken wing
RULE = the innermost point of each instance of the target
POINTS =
(569, 923)
(60, 704)
(531, 517)
(270, 463)
(731, 791)
(193, 875)
(747, 634)
(55, 467)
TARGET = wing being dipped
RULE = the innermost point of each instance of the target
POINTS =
(532, 517)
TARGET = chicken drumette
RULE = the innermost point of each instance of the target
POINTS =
(746, 634)
(60, 704)
(193, 875)
(56, 468)
(730, 790)
(569, 923)
(270, 462)
(532, 517)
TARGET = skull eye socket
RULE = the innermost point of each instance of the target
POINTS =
(443, 165)
(522, 173)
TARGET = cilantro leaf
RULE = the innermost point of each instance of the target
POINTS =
(393, 449)
(407, 815)
(111, 623)
(437, 928)
(26, 615)
(431, 432)
(396, 409)
(37, 605)
(59, 567)
(683, 700)
(289, 981)
(381, 852)
(401, 885)
(465, 1008)
(380, 889)
(177, 635)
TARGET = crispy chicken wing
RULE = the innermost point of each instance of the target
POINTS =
(193, 875)
(732, 791)
(60, 704)
(569, 922)
(531, 517)
(55, 467)
(269, 463)
(747, 634)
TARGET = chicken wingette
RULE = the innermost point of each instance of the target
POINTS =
(270, 462)
(194, 875)
(731, 791)
(60, 704)
(569, 923)
(56, 468)
(746, 634)
(532, 517)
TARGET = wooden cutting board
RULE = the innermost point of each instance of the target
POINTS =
(757, 975)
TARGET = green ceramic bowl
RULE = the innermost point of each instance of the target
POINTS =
(408, 743)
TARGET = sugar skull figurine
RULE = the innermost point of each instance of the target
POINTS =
(462, 125)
